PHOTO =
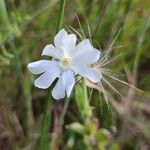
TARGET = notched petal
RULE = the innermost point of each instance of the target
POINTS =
(58, 91)
(50, 50)
(45, 80)
(69, 80)
(39, 67)
(59, 37)
(91, 74)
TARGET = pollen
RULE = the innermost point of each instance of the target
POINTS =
(65, 63)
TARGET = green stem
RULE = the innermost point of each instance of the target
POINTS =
(62, 117)
(48, 107)
(46, 121)
(86, 102)
(61, 14)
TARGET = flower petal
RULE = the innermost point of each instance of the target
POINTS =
(59, 37)
(69, 80)
(83, 47)
(41, 66)
(68, 45)
(46, 79)
(64, 85)
(58, 91)
(87, 72)
(51, 72)
(87, 58)
(50, 50)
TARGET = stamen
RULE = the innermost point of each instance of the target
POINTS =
(65, 63)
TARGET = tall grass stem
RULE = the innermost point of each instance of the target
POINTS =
(48, 107)
(61, 14)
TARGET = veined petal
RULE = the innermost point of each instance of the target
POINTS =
(89, 57)
(68, 45)
(69, 80)
(58, 91)
(41, 66)
(64, 85)
(82, 47)
(59, 37)
(50, 50)
(46, 79)
(87, 72)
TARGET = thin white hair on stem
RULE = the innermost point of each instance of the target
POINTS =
(113, 88)
(96, 42)
(112, 43)
(121, 81)
(106, 55)
(104, 92)
(102, 58)
(101, 88)
(68, 29)
(104, 63)
(109, 72)
(81, 28)
(90, 97)
(75, 31)
(119, 46)
(100, 62)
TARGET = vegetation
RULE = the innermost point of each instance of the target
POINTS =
(31, 119)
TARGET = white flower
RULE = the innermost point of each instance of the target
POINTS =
(68, 60)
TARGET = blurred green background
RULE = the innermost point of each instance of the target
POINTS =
(26, 26)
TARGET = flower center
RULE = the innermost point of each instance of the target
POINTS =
(65, 63)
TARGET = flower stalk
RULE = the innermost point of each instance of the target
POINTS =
(61, 14)
(46, 121)
(62, 117)
(48, 107)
